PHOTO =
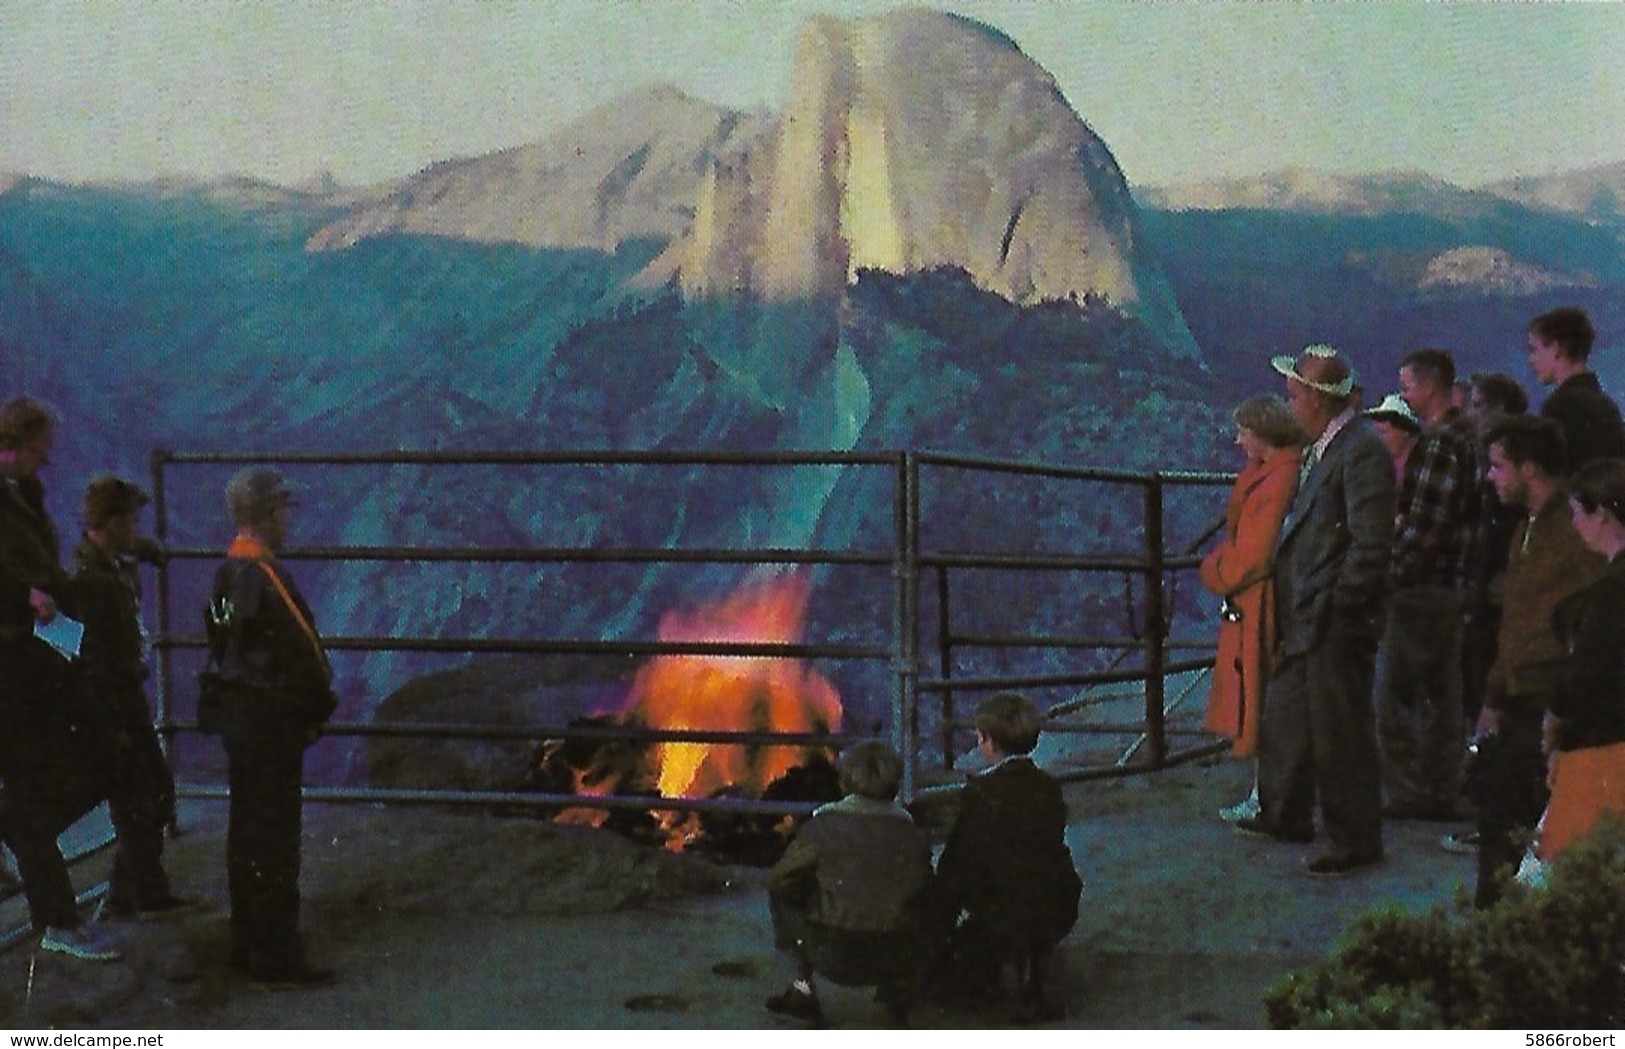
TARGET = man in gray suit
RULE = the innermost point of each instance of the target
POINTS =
(1318, 733)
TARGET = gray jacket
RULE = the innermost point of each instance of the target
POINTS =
(1331, 562)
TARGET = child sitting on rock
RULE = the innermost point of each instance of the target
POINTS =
(844, 896)
(1006, 888)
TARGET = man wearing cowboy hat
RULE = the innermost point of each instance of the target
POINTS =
(1318, 733)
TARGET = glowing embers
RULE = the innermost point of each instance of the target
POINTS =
(714, 693)
(733, 693)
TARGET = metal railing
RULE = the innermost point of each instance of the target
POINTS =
(1148, 635)
(903, 557)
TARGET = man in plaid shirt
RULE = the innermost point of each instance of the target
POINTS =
(1418, 679)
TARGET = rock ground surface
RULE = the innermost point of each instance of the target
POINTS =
(447, 919)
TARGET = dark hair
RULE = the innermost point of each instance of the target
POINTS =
(1531, 439)
(870, 769)
(1503, 392)
(1010, 720)
(1269, 417)
(23, 420)
(1600, 482)
(1569, 328)
(1433, 366)
(107, 497)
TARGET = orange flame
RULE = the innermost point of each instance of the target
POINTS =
(734, 693)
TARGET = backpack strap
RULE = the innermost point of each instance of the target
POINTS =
(298, 616)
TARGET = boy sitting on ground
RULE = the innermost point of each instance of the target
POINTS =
(1006, 887)
(844, 895)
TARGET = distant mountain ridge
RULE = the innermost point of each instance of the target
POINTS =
(1597, 192)
(969, 157)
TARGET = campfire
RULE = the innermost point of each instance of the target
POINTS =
(714, 694)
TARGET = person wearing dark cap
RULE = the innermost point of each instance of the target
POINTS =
(114, 656)
(1318, 736)
(277, 694)
(42, 760)
(1398, 427)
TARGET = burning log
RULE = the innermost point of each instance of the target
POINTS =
(677, 693)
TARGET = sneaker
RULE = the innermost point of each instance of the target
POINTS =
(84, 941)
(799, 1004)
(297, 978)
(1462, 843)
(1245, 809)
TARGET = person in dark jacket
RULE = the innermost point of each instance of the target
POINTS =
(1560, 344)
(845, 896)
(1006, 881)
(1585, 720)
(1318, 738)
(277, 693)
(48, 757)
(114, 657)
(1546, 562)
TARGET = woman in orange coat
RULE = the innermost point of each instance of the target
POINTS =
(1240, 571)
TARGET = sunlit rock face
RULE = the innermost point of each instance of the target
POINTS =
(910, 141)
(629, 170)
(914, 140)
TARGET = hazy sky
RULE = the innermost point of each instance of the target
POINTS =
(1179, 91)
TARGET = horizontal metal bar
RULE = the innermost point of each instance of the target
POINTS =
(537, 733)
(1104, 677)
(1080, 473)
(1054, 562)
(568, 555)
(1030, 468)
(520, 799)
(720, 649)
(536, 458)
(1016, 641)
(1101, 729)
(553, 555)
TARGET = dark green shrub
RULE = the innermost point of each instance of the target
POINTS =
(1540, 958)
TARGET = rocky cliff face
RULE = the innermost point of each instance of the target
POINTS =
(631, 169)
(913, 141)
(916, 140)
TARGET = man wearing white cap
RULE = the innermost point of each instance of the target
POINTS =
(1318, 734)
